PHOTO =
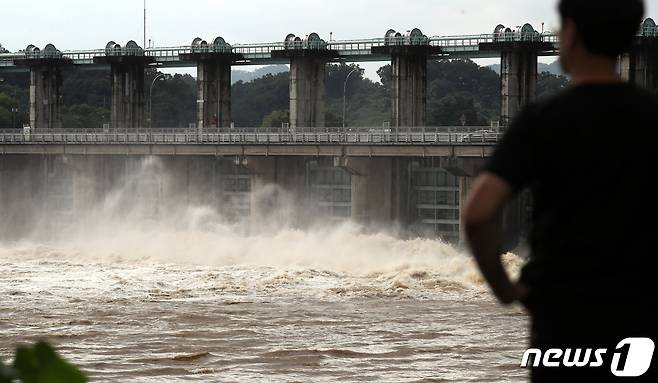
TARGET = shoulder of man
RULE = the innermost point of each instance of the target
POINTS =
(538, 113)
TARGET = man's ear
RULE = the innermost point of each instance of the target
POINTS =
(568, 34)
(568, 43)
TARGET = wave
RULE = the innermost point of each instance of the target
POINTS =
(341, 261)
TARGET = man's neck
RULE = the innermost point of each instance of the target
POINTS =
(594, 69)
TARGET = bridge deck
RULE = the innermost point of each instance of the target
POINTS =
(189, 142)
(467, 46)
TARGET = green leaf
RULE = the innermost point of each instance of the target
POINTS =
(6, 374)
(41, 364)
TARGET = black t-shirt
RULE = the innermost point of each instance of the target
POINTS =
(588, 157)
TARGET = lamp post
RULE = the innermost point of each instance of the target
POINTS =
(345, 92)
(161, 75)
(14, 110)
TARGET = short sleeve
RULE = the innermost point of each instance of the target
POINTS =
(514, 159)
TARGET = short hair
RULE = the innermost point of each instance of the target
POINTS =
(606, 27)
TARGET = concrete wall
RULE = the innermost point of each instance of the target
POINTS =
(21, 180)
(511, 220)
(640, 66)
(465, 184)
(278, 190)
(518, 82)
(47, 193)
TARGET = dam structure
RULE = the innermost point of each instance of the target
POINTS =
(405, 175)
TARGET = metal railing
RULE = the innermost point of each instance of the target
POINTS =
(262, 51)
(410, 136)
(215, 130)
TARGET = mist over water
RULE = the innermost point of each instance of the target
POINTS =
(137, 288)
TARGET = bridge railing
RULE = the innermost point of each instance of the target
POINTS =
(168, 53)
(355, 47)
(289, 138)
(178, 130)
(476, 40)
(86, 56)
(258, 50)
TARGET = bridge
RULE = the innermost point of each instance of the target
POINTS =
(361, 50)
(407, 173)
(518, 50)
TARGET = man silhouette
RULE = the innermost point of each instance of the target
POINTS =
(587, 156)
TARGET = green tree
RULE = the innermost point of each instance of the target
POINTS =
(549, 84)
(86, 87)
(83, 116)
(454, 87)
(6, 115)
(252, 101)
(449, 110)
(173, 100)
(366, 102)
(14, 85)
(276, 119)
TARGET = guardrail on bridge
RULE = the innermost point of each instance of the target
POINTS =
(413, 136)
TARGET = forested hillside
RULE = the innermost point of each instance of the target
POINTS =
(455, 88)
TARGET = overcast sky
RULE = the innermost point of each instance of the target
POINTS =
(86, 24)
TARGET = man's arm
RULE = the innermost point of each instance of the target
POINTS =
(487, 197)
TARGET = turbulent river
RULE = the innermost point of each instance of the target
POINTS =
(130, 305)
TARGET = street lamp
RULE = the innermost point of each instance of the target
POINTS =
(161, 75)
(14, 110)
(345, 91)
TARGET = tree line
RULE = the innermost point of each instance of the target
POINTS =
(456, 89)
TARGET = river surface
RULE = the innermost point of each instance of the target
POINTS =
(289, 306)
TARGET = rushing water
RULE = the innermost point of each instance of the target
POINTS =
(290, 306)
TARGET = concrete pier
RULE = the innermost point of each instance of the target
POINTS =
(213, 81)
(278, 190)
(46, 97)
(213, 93)
(518, 78)
(307, 75)
(308, 59)
(128, 95)
(408, 90)
(45, 86)
(380, 190)
(409, 55)
(518, 68)
(639, 66)
(128, 89)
